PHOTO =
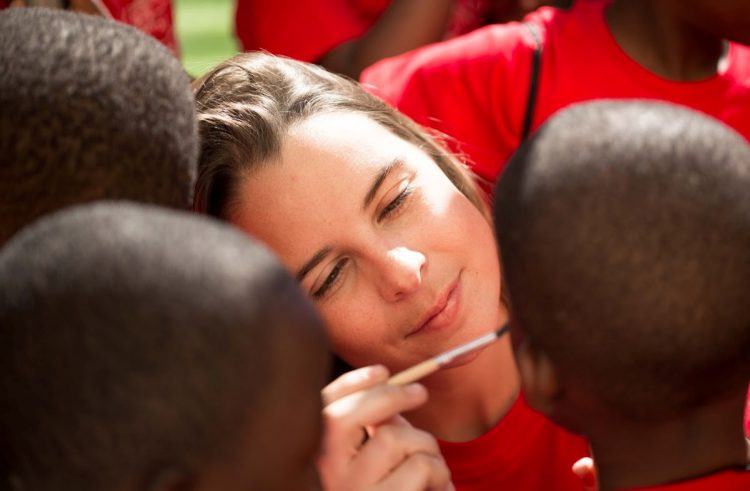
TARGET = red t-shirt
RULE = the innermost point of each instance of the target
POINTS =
(728, 480)
(154, 17)
(308, 29)
(524, 451)
(474, 88)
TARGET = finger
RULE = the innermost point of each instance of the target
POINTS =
(586, 471)
(345, 419)
(397, 420)
(354, 381)
(390, 446)
(375, 405)
(417, 473)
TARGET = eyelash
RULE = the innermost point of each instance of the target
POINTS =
(333, 277)
(394, 205)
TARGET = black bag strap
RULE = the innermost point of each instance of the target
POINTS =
(536, 66)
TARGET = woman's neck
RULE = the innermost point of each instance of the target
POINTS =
(664, 44)
(466, 401)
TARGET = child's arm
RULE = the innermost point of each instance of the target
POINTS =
(405, 25)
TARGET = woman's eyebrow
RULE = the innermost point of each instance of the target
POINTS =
(309, 265)
(380, 178)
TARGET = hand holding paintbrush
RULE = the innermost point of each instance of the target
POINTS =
(360, 399)
(434, 364)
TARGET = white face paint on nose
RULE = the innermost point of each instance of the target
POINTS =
(401, 273)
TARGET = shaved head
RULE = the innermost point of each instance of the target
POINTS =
(135, 339)
(92, 109)
(624, 231)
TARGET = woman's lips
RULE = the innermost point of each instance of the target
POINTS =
(444, 311)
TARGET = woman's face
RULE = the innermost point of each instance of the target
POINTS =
(400, 264)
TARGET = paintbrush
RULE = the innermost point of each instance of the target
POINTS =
(434, 364)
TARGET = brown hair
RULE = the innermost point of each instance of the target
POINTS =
(247, 103)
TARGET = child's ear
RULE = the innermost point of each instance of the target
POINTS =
(171, 479)
(539, 378)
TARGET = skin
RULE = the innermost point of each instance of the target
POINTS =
(256, 455)
(395, 455)
(695, 443)
(389, 268)
(396, 31)
(683, 41)
(265, 459)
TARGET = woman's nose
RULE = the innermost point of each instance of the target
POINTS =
(401, 273)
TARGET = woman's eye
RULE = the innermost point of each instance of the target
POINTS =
(333, 277)
(394, 205)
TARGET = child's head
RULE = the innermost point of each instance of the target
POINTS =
(142, 348)
(624, 230)
(91, 109)
(728, 19)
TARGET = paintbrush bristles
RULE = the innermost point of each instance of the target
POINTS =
(480, 342)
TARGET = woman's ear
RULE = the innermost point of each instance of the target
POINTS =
(539, 378)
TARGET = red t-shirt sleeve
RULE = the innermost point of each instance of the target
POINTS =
(472, 88)
(301, 29)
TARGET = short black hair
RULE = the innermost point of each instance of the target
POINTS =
(624, 230)
(134, 338)
(89, 109)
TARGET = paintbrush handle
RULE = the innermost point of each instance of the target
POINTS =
(415, 373)
(432, 365)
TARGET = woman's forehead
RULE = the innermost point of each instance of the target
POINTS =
(353, 137)
(316, 189)
(335, 156)
(331, 158)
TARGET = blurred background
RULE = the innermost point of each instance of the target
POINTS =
(205, 30)
(339, 36)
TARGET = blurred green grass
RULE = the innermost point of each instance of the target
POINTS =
(206, 32)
